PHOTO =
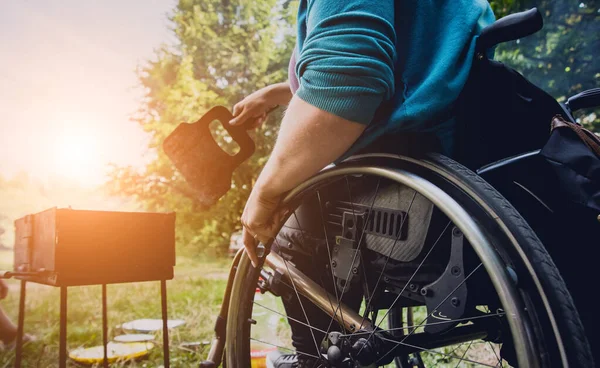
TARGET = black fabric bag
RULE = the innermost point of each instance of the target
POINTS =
(571, 168)
(574, 155)
(500, 114)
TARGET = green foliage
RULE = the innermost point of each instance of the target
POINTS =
(561, 58)
(195, 295)
(225, 51)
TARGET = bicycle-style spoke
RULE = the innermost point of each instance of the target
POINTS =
(299, 299)
(302, 234)
(447, 296)
(367, 292)
(462, 358)
(415, 272)
(492, 346)
(489, 346)
(358, 245)
(500, 364)
(431, 351)
(413, 327)
(284, 348)
(339, 295)
(293, 287)
(388, 257)
(288, 317)
(437, 306)
(456, 348)
(357, 251)
(435, 203)
(330, 261)
(407, 283)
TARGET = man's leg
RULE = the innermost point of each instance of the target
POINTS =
(302, 241)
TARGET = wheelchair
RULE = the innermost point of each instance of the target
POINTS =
(454, 264)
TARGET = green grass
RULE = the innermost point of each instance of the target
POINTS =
(194, 295)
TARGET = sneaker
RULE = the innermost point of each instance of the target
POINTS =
(277, 359)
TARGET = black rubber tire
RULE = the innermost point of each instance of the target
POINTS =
(538, 276)
(551, 282)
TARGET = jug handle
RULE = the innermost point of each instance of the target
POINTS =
(238, 133)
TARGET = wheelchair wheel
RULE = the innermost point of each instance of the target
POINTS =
(426, 235)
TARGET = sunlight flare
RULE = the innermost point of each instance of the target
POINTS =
(77, 156)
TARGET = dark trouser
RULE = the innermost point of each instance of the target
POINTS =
(302, 241)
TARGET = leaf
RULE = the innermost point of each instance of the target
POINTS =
(224, 51)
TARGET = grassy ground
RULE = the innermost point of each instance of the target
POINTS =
(194, 296)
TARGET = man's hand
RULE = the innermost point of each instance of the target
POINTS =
(309, 139)
(259, 221)
(258, 105)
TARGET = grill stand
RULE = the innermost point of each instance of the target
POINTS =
(62, 350)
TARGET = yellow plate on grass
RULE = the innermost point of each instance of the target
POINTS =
(115, 351)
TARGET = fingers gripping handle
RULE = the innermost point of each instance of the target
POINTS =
(201, 161)
(238, 133)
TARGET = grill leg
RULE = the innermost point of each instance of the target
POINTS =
(20, 325)
(62, 349)
(104, 327)
(163, 302)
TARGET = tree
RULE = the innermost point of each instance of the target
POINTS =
(562, 59)
(226, 49)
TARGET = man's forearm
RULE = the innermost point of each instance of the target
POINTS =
(309, 139)
(280, 93)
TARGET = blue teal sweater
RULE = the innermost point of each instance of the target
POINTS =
(394, 65)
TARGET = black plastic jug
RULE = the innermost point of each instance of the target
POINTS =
(203, 164)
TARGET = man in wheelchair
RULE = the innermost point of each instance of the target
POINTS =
(404, 77)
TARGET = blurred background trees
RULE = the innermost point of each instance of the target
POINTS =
(227, 49)
(561, 58)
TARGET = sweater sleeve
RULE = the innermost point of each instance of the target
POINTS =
(346, 63)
